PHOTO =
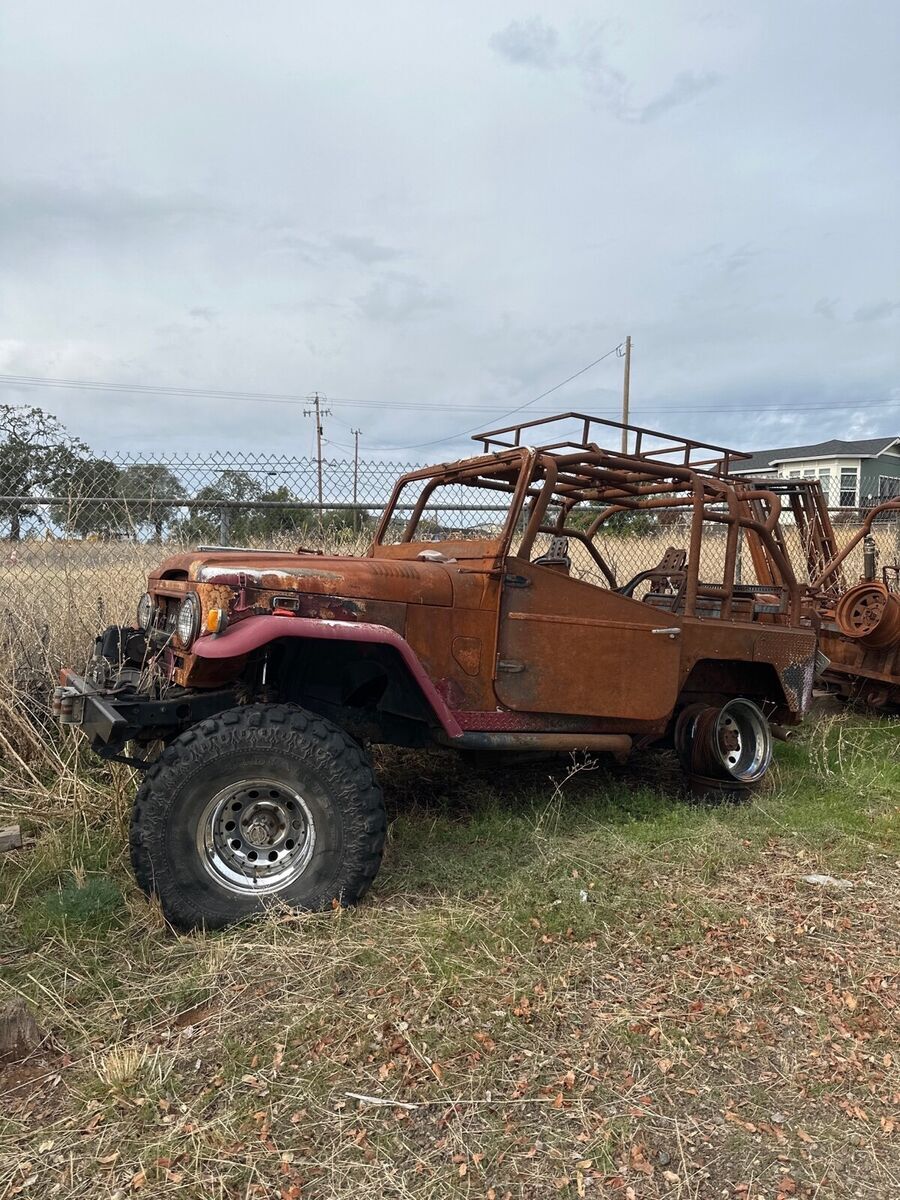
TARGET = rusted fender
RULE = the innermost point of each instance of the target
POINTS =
(253, 632)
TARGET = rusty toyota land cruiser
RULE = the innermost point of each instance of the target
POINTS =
(549, 594)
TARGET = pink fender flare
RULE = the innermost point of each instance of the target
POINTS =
(253, 632)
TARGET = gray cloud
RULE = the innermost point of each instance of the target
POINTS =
(530, 43)
(53, 210)
(366, 250)
(824, 307)
(533, 43)
(686, 86)
(398, 297)
(877, 311)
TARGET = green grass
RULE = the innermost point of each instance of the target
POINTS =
(584, 982)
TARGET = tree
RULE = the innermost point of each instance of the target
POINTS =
(213, 521)
(92, 503)
(145, 489)
(264, 524)
(37, 454)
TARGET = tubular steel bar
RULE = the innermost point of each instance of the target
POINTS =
(675, 446)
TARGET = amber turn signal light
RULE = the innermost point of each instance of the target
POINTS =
(216, 620)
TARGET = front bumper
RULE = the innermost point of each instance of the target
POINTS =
(111, 717)
(78, 702)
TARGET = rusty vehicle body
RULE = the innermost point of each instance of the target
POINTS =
(485, 616)
(855, 611)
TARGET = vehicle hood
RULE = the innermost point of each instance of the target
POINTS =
(318, 574)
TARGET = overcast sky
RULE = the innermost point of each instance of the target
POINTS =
(453, 206)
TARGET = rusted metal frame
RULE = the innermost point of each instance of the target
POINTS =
(888, 506)
(581, 536)
(645, 499)
(606, 479)
(806, 501)
(731, 547)
(699, 517)
(441, 475)
(619, 485)
(675, 445)
(776, 554)
(769, 525)
(763, 568)
(692, 574)
(547, 464)
(416, 514)
(619, 744)
(687, 461)
(631, 464)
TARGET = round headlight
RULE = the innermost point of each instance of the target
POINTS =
(188, 623)
(146, 611)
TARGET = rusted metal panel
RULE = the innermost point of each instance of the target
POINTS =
(569, 647)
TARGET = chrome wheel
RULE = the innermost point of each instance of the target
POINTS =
(743, 741)
(256, 836)
(733, 742)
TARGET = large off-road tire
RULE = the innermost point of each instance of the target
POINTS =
(262, 804)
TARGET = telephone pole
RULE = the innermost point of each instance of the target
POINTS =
(356, 433)
(318, 412)
(626, 389)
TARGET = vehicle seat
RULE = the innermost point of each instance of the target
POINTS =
(666, 578)
(556, 556)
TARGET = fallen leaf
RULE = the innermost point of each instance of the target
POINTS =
(638, 1159)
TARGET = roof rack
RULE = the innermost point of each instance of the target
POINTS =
(664, 447)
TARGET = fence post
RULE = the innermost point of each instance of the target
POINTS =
(224, 525)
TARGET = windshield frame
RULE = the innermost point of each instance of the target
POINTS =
(480, 472)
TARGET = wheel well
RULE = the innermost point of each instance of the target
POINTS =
(353, 683)
(713, 680)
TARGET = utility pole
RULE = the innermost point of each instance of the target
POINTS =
(318, 412)
(356, 433)
(626, 389)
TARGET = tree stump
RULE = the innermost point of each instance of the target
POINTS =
(19, 1032)
(10, 838)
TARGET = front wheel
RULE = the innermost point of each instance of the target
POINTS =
(261, 804)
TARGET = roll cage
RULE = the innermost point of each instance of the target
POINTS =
(560, 481)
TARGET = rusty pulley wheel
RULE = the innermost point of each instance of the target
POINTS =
(732, 743)
(869, 612)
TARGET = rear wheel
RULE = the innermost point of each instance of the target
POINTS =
(261, 804)
(725, 751)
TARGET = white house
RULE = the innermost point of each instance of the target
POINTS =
(853, 474)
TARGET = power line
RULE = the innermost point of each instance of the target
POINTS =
(512, 411)
(424, 406)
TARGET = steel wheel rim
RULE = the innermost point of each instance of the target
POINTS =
(256, 836)
(743, 741)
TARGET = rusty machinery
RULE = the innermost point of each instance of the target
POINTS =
(856, 613)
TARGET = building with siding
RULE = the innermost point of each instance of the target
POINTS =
(857, 474)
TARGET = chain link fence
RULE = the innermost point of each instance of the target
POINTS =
(78, 537)
(76, 545)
